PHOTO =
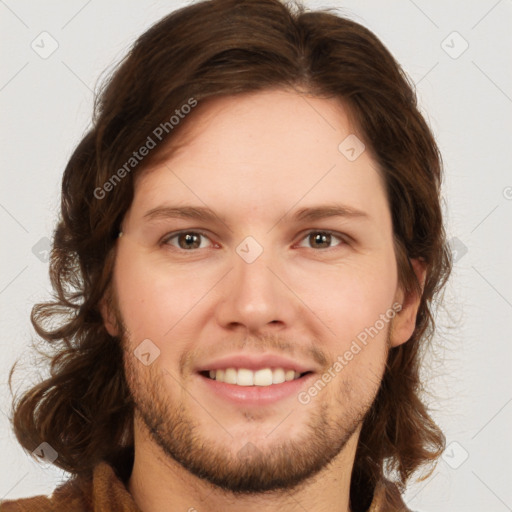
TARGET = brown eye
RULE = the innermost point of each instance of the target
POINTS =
(322, 239)
(189, 241)
(186, 240)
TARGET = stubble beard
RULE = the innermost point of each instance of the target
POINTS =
(279, 466)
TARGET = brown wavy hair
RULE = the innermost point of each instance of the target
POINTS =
(209, 49)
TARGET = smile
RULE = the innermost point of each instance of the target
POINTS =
(247, 377)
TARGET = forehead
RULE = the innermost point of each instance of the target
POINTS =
(255, 153)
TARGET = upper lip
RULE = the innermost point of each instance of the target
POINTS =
(256, 362)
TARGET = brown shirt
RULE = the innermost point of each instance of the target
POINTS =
(106, 492)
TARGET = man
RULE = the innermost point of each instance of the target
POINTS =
(249, 245)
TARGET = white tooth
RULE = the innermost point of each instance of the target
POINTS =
(289, 375)
(278, 376)
(230, 376)
(263, 377)
(245, 377)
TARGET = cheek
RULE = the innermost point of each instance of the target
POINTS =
(356, 305)
(350, 298)
(153, 300)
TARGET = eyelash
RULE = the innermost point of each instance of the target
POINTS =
(343, 238)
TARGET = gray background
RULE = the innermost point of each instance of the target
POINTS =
(466, 95)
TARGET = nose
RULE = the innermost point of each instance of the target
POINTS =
(256, 296)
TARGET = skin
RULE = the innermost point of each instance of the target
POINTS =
(254, 160)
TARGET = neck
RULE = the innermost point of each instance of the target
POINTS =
(160, 484)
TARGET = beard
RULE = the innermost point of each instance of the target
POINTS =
(276, 467)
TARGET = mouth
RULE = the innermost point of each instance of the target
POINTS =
(264, 387)
(262, 377)
(255, 379)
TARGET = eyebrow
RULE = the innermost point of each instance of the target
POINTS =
(208, 215)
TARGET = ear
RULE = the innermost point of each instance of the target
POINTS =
(109, 318)
(404, 322)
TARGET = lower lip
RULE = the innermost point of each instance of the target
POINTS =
(257, 395)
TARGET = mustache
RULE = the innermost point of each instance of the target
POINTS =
(255, 344)
(263, 342)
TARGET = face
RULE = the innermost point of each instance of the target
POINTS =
(269, 287)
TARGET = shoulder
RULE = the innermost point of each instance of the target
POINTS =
(71, 496)
(104, 489)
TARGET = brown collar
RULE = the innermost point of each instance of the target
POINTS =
(105, 491)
